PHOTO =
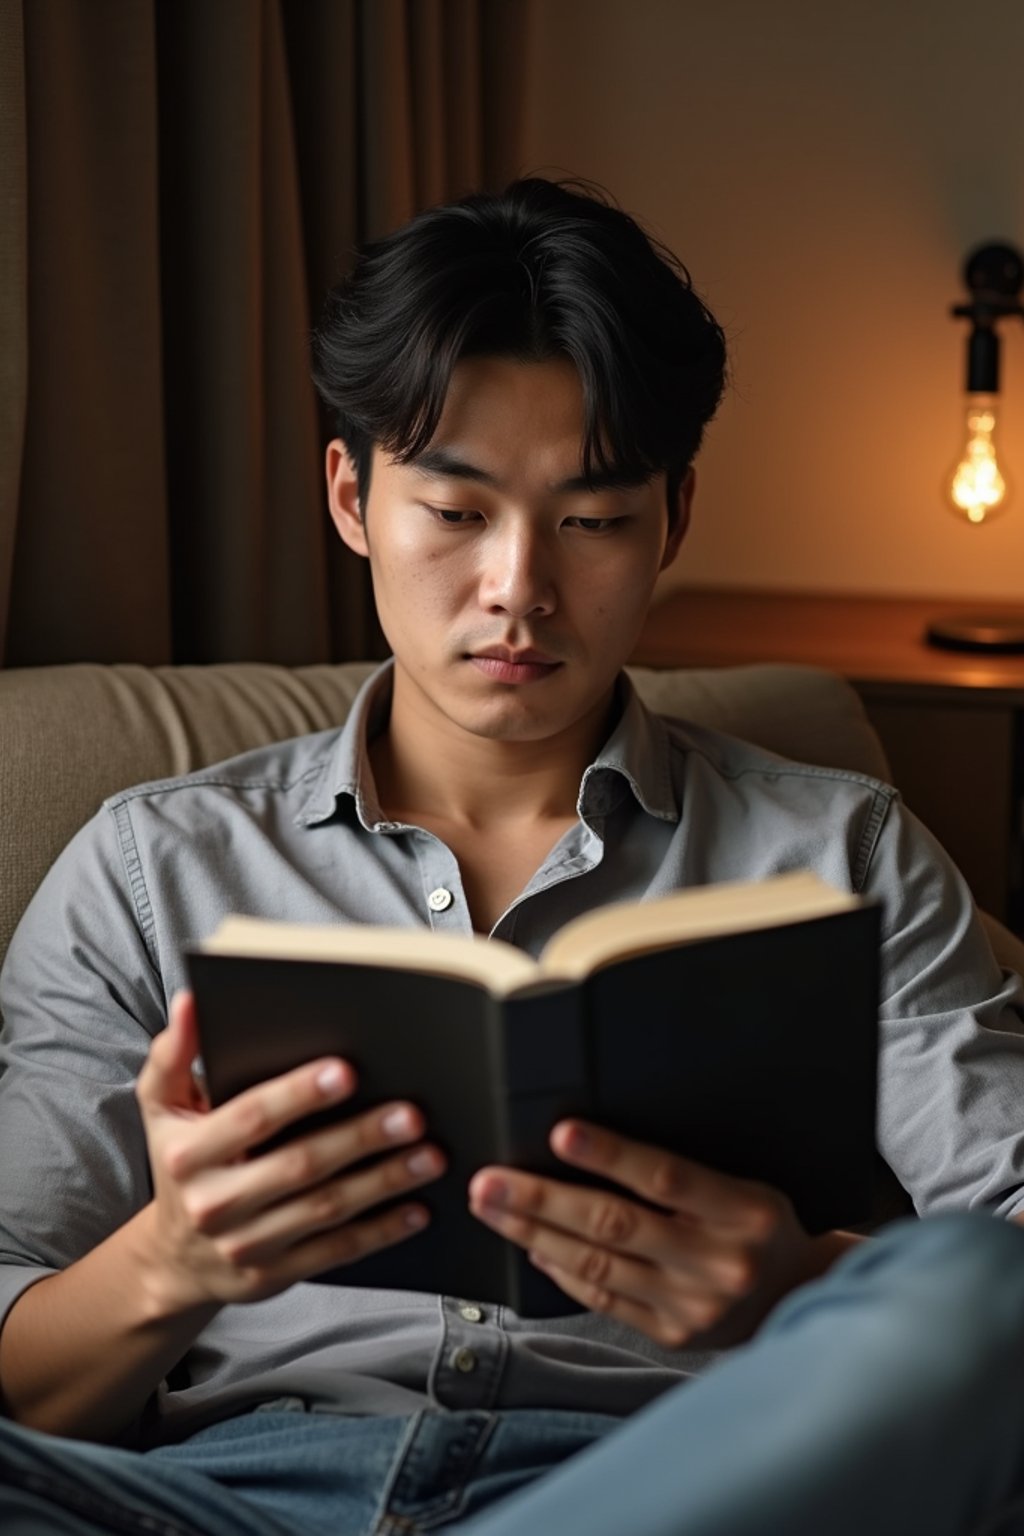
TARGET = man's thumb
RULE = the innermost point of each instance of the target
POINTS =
(166, 1080)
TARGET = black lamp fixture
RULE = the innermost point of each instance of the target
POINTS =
(978, 489)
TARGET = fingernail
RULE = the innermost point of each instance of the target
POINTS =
(415, 1217)
(578, 1139)
(331, 1078)
(423, 1161)
(397, 1122)
(496, 1192)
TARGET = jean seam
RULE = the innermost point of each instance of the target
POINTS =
(380, 1523)
(444, 1508)
(55, 1491)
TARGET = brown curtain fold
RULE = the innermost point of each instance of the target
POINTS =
(180, 182)
(13, 283)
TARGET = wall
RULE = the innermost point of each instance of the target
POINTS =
(822, 170)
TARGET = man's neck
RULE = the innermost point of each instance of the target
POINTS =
(426, 766)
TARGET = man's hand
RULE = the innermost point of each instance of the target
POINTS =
(716, 1251)
(230, 1226)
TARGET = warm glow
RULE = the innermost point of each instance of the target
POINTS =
(978, 489)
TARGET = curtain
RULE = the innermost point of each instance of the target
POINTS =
(180, 183)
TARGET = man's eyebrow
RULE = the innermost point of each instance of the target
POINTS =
(434, 463)
(615, 478)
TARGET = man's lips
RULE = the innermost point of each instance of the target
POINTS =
(507, 666)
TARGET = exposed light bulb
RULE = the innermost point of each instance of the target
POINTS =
(978, 488)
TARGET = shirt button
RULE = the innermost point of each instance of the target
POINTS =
(464, 1360)
(439, 900)
(471, 1314)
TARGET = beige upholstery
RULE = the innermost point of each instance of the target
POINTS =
(70, 735)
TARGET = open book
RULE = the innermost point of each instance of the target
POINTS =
(735, 1024)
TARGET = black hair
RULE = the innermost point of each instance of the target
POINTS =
(544, 269)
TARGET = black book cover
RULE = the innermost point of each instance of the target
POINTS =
(754, 1053)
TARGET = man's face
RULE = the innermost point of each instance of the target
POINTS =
(510, 595)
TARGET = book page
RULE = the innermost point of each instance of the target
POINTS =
(488, 963)
(632, 928)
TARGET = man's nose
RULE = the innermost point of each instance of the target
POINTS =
(519, 574)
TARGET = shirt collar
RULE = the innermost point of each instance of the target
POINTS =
(636, 757)
(348, 771)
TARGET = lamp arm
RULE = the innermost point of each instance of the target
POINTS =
(994, 275)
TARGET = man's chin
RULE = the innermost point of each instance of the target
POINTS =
(523, 719)
(508, 729)
(537, 712)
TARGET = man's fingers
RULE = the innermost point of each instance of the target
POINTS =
(731, 1205)
(684, 1304)
(593, 1225)
(229, 1187)
(338, 1247)
(252, 1234)
(233, 1129)
(671, 1333)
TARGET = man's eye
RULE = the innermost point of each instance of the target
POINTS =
(453, 517)
(595, 524)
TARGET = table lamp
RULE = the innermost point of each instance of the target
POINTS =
(978, 488)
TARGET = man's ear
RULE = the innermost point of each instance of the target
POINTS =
(343, 496)
(681, 522)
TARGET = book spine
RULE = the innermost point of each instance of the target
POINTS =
(542, 1070)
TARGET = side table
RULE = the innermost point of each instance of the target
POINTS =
(951, 722)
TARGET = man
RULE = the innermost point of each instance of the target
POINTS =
(521, 384)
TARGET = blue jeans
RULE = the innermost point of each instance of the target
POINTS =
(885, 1400)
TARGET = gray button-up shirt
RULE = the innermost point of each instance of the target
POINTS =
(295, 830)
